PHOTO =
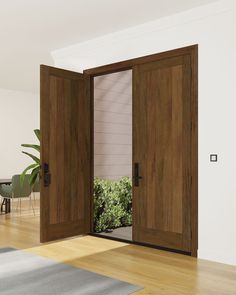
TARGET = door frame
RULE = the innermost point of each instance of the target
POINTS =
(192, 51)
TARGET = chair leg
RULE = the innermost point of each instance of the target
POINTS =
(17, 205)
(31, 204)
(34, 199)
(2, 204)
(12, 206)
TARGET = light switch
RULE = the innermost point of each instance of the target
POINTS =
(213, 158)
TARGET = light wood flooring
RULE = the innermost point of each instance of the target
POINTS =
(159, 272)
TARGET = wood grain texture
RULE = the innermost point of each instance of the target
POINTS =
(129, 64)
(159, 272)
(20, 229)
(65, 146)
(192, 52)
(162, 139)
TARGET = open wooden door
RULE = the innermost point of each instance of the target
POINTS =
(162, 152)
(65, 154)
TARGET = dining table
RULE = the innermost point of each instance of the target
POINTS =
(6, 202)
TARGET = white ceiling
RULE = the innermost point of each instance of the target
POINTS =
(31, 29)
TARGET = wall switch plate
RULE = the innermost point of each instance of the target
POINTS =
(213, 158)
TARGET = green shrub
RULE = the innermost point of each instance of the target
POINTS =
(112, 203)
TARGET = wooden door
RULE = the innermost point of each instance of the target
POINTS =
(162, 152)
(65, 154)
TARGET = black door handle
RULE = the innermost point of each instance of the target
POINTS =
(137, 177)
(46, 175)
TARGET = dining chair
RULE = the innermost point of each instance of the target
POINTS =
(17, 191)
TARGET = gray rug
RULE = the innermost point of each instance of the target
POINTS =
(8, 249)
(23, 273)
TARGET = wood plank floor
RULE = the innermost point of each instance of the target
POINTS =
(159, 272)
(20, 229)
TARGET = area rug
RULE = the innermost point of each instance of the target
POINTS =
(23, 273)
(7, 249)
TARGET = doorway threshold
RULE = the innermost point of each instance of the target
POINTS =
(122, 233)
(117, 238)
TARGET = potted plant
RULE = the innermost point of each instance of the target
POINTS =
(34, 168)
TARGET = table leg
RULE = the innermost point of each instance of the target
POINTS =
(8, 206)
(3, 202)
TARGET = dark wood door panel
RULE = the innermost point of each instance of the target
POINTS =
(65, 146)
(165, 239)
(162, 147)
(69, 229)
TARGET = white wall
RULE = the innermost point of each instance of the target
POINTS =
(19, 116)
(213, 28)
(113, 125)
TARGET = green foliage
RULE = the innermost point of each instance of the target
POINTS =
(112, 203)
(35, 167)
(33, 146)
(37, 133)
(33, 157)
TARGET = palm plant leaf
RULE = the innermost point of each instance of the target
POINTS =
(22, 176)
(37, 133)
(34, 175)
(34, 167)
(32, 146)
(36, 159)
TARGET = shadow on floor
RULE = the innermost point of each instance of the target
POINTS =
(124, 233)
